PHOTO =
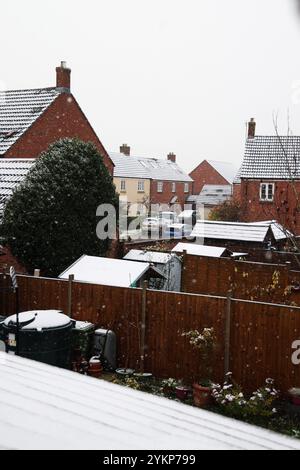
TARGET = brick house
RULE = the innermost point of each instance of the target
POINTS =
(211, 172)
(150, 180)
(30, 120)
(268, 182)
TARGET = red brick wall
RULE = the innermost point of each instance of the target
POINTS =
(205, 174)
(64, 118)
(283, 208)
(167, 194)
(7, 260)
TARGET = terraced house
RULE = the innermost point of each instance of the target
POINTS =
(143, 181)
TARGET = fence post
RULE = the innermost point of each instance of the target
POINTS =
(183, 268)
(227, 332)
(143, 325)
(70, 286)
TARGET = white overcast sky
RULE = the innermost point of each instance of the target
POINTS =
(163, 75)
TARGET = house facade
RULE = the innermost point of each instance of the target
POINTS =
(144, 181)
(211, 172)
(31, 120)
(268, 182)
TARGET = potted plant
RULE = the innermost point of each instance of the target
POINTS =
(182, 392)
(205, 343)
(295, 396)
(168, 387)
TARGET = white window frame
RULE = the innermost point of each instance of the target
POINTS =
(173, 187)
(123, 186)
(186, 187)
(141, 186)
(160, 186)
(266, 192)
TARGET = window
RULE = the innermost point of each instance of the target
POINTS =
(267, 191)
(160, 187)
(186, 187)
(123, 185)
(141, 186)
(173, 187)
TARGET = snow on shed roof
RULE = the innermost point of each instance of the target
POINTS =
(147, 168)
(12, 173)
(149, 256)
(19, 109)
(43, 407)
(200, 250)
(106, 271)
(250, 232)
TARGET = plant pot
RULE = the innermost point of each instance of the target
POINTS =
(143, 376)
(95, 368)
(294, 394)
(202, 395)
(182, 393)
(124, 373)
(296, 400)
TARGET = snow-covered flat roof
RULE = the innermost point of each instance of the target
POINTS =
(200, 250)
(155, 257)
(106, 271)
(43, 407)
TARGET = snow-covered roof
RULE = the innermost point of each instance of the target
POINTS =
(147, 168)
(212, 195)
(271, 157)
(19, 109)
(106, 271)
(43, 407)
(225, 169)
(250, 232)
(200, 250)
(155, 257)
(12, 173)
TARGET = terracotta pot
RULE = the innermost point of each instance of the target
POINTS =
(202, 395)
(296, 400)
(182, 392)
(95, 368)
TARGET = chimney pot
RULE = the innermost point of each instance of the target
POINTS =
(251, 128)
(125, 149)
(63, 77)
(172, 157)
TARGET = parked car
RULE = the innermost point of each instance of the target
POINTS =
(177, 230)
(150, 224)
(166, 218)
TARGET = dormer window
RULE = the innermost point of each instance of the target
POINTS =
(267, 192)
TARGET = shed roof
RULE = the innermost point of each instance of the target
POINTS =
(43, 407)
(155, 257)
(249, 232)
(201, 250)
(107, 271)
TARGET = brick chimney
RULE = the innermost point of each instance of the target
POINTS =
(125, 149)
(251, 128)
(63, 77)
(172, 157)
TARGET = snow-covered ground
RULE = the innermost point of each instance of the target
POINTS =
(43, 407)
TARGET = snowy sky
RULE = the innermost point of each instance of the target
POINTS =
(163, 75)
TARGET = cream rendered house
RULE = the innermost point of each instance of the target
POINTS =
(132, 182)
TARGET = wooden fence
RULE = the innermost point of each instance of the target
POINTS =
(259, 335)
(247, 280)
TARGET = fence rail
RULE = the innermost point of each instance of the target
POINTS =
(254, 338)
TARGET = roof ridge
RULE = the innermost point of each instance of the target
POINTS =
(32, 89)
